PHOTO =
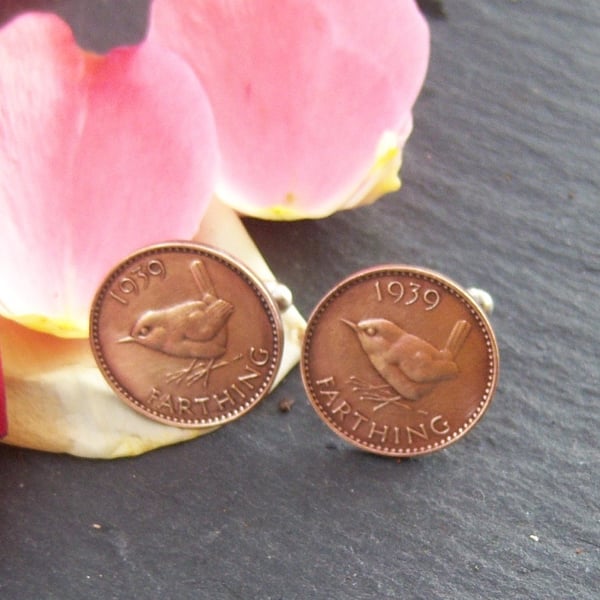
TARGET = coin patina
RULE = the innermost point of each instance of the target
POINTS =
(399, 360)
(186, 335)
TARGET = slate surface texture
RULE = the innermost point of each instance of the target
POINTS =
(501, 191)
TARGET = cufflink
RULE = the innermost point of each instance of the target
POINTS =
(186, 335)
(399, 360)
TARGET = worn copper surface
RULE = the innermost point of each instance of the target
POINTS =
(186, 335)
(399, 360)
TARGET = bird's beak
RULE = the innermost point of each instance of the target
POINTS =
(126, 339)
(350, 324)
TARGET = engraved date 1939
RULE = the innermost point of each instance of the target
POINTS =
(137, 279)
(409, 294)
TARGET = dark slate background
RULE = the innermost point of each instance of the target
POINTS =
(500, 190)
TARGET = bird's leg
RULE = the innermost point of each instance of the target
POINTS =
(396, 401)
(178, 376)
(380, 395)
(360, 384)
(383, 402)
(204, 370)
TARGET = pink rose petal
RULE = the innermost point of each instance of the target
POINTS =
(302, 90)
(99, 155)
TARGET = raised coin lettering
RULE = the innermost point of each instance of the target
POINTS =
(186, 335)
(399, 361)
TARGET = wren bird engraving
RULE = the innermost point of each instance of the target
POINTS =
(409, 364)
(195, 329)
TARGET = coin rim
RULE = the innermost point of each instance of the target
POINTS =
(453, 288)
(229, 261)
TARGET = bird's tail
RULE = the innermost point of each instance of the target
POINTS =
(202, 279)
(457, 336)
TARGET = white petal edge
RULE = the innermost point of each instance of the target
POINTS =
(381, 178)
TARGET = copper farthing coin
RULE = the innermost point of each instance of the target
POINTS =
(399, 360)
(186, 335)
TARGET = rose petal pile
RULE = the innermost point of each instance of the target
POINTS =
(280, 108)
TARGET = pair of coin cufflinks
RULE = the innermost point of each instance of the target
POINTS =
(397, 360)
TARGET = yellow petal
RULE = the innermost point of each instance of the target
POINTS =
(381, 178)
(66, 328)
